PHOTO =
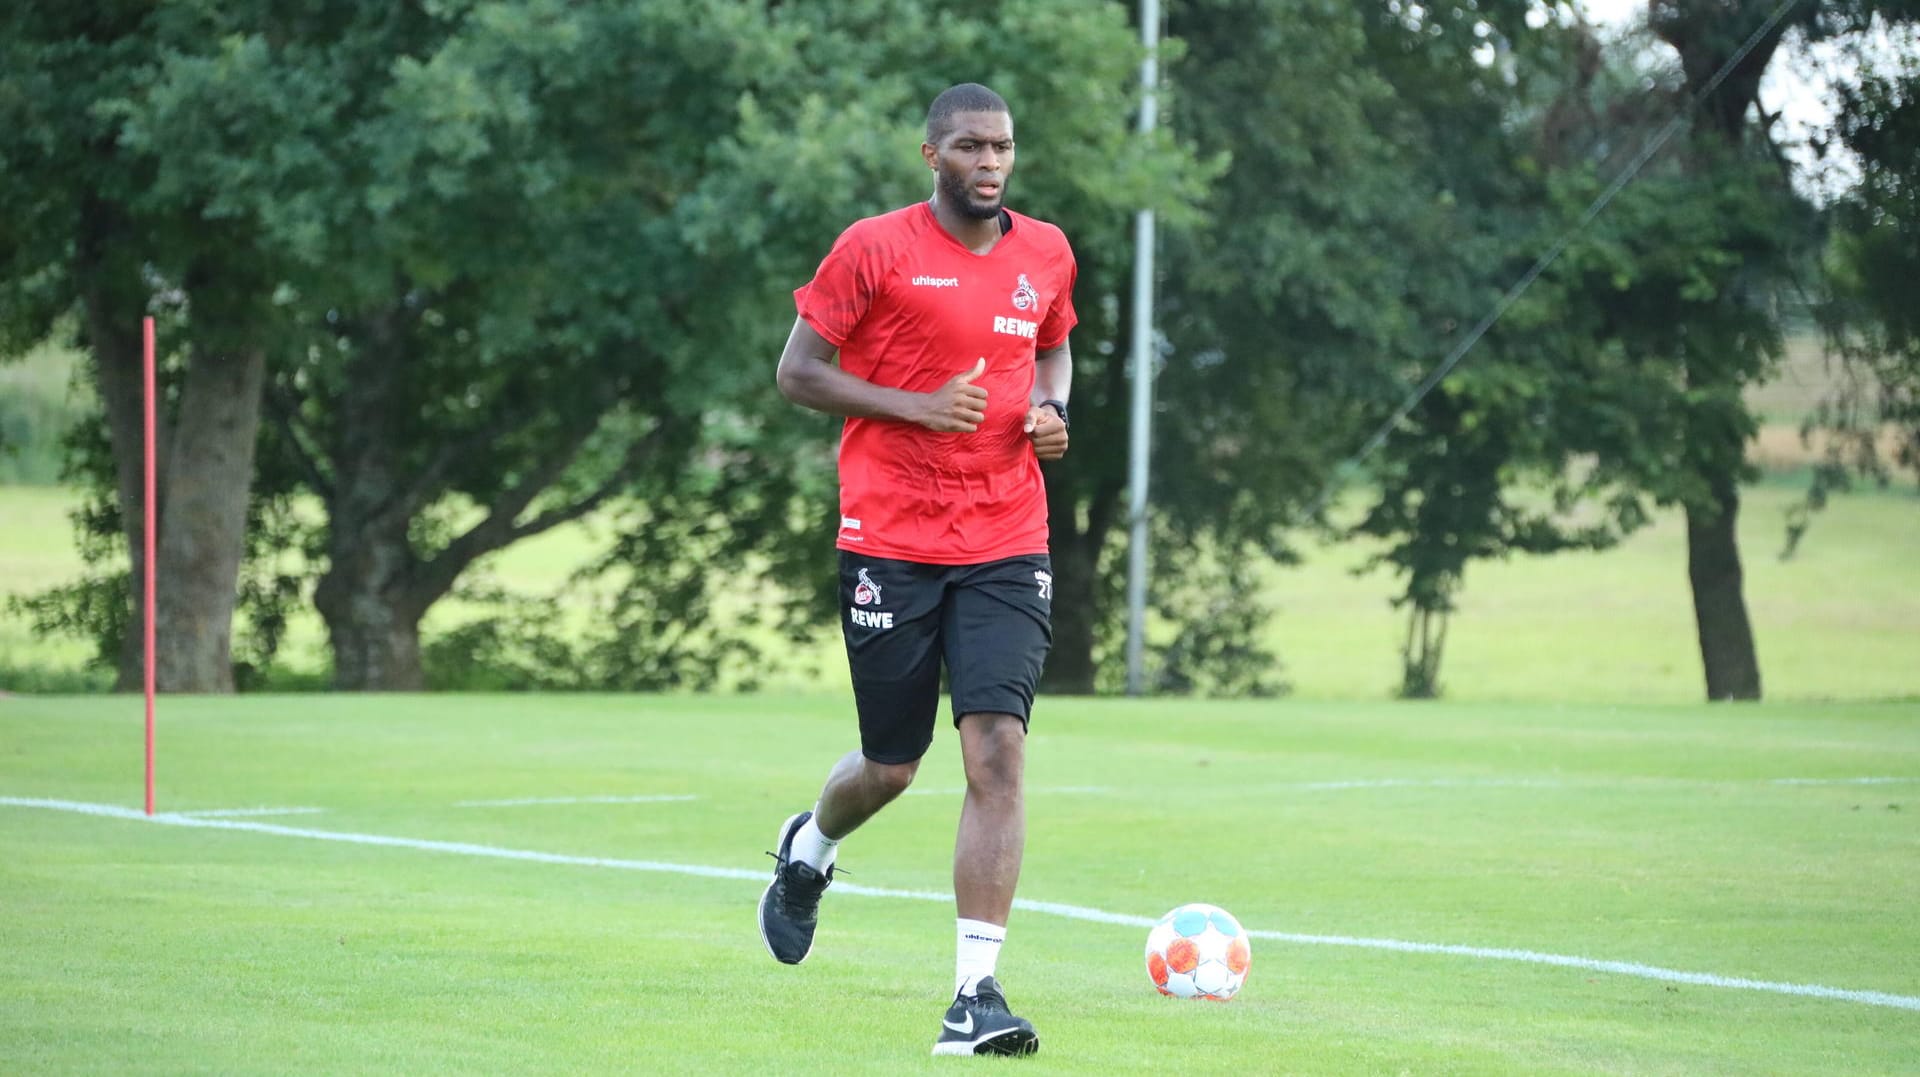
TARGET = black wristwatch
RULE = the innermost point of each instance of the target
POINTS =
(1059, 406)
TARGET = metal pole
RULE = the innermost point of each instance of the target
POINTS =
(150, 508)
(1142, 372)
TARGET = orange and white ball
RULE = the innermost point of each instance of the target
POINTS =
(1198, 951)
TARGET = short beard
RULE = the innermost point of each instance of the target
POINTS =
(954, 193)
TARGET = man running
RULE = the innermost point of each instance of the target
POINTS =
(949, 320)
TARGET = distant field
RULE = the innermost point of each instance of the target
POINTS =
(1841, 620)
(475, 884)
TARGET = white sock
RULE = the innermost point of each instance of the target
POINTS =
(812, 847)
(977, 947)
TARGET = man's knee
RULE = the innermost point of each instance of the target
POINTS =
(994, 750)
(891, 779)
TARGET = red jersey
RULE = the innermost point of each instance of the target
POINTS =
(909, 307)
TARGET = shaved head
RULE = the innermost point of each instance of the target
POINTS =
(966, 97)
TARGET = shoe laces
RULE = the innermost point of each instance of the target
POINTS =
(987, 996)
(799, 891)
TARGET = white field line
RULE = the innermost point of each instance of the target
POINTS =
(1074, 912)
(523, 802)
(231, 813)
(1343, 784)
(1551, 783)
(1423, 783)
(1844, 781)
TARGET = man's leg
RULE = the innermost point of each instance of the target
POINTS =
(892, 628)
(993, 819)
(809, 842)
(996, 633)
(986, 865)
(856, 789)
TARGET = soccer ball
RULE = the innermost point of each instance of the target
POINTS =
(1198, 951)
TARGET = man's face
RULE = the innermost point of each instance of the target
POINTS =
(972, 162)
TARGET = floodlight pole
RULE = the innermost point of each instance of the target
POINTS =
(1141, 437)
(151, 524)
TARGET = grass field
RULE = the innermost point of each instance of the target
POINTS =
(1434, 889)
(1840, 620)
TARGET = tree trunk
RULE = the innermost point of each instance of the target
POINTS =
(1706, 36)
(1078, 602)
(375, 639)
(1719, 610)
(362, 596)
(1076, 585)
(203, 484)
(373, 624)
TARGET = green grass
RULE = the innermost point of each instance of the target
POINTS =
(1840, 620)
(36, 552)
(1659, 835)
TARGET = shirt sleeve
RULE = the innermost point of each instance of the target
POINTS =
(842, 289)
(1061, 317)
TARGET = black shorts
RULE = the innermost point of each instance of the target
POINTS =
(991, 624)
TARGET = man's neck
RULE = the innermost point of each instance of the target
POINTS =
(975, 234)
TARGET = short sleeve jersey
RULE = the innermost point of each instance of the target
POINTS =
(909, 307)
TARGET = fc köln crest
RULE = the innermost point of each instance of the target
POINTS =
(866, 592)
(1024, 297)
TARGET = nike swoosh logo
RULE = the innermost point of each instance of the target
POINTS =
(965, 1028)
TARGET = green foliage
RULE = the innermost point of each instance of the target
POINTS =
(1619, 375)
(516, 261)
(98, 606)
(636, 288)
(1872, 331)
(1217, 648)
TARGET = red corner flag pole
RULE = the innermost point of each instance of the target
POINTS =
(147, 533)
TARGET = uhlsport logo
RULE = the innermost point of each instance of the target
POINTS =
(1024, 297)
(866, 592)
(940, 282)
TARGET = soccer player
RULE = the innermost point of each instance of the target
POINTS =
(949, 319)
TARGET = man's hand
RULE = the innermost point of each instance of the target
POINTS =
(959, 406)
(1047, 431)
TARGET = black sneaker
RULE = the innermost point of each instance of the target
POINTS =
(790, 907)
(979, 1024)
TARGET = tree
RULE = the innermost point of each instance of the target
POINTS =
(527, 259)
(1658, 315)
(1380, 197)
(1717, 365)
(1482, 466)
(497, 381)
(1280, 312)
(99, 228)
(1872, 417)
(704, 241)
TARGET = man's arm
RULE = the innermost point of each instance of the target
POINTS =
(809, 377)
(1052, 380)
